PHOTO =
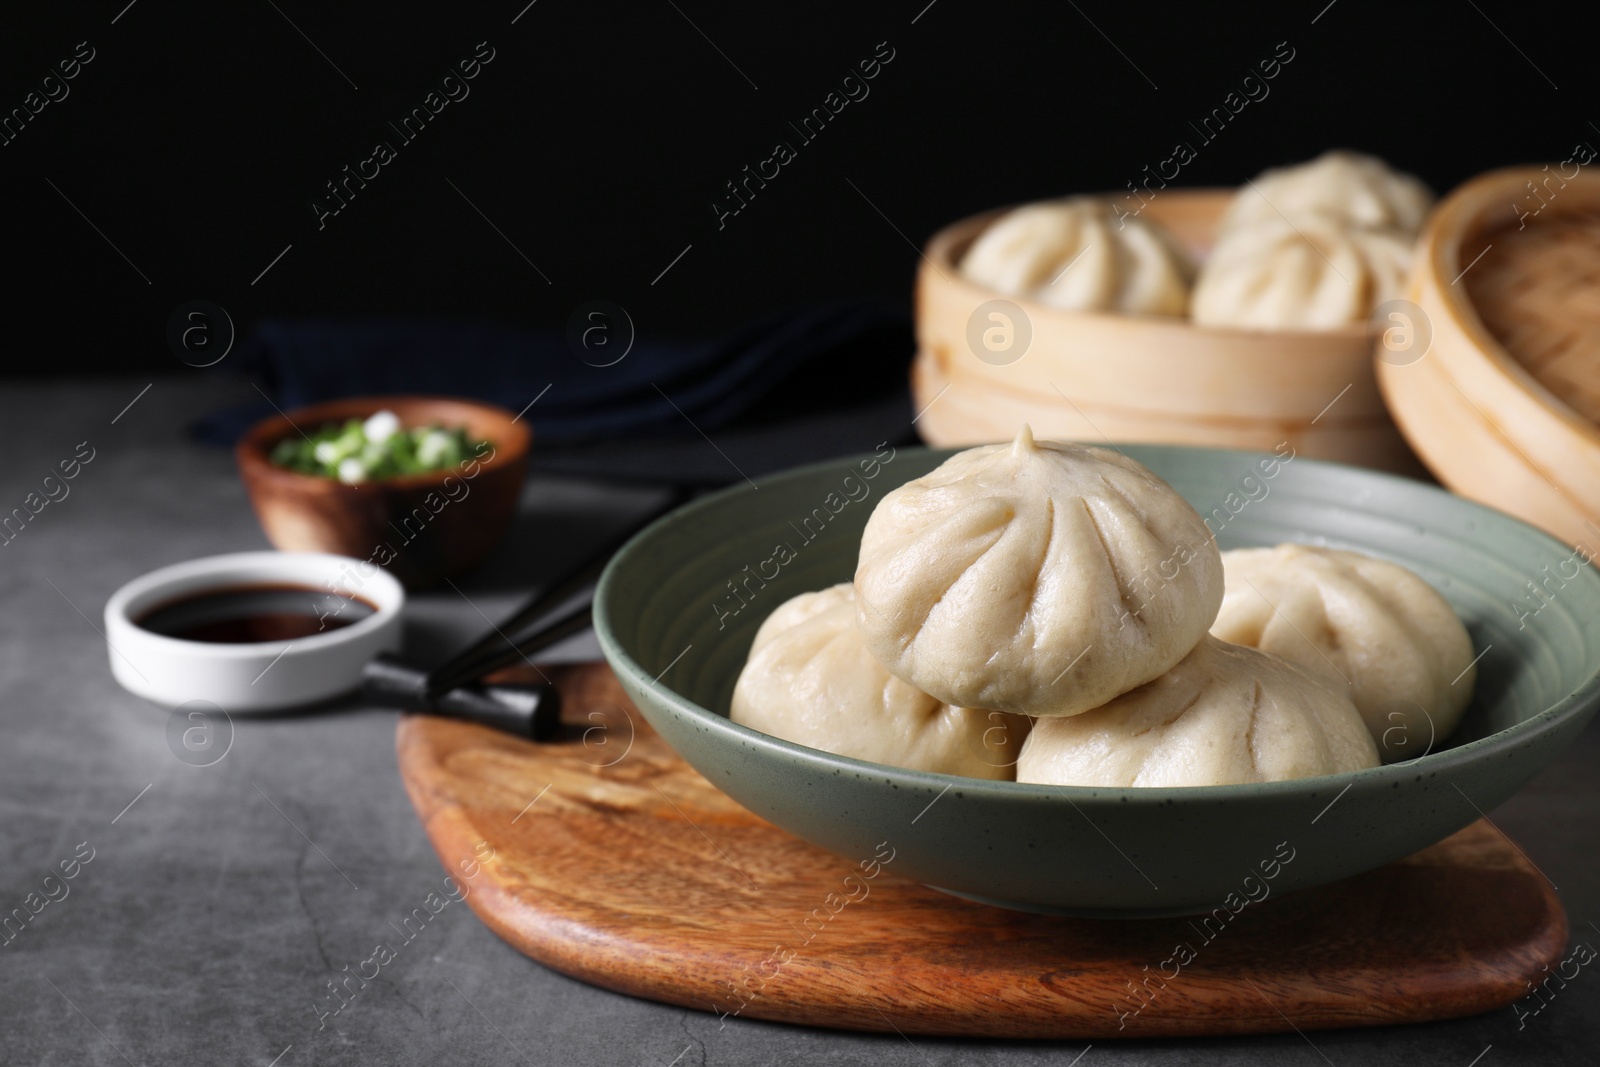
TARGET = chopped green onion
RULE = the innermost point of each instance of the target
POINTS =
(375, 448)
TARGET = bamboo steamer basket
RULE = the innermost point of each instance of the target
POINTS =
(1099, 376)
(1473, 406)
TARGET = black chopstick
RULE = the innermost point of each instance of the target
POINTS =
(497, 648)
(575, 621)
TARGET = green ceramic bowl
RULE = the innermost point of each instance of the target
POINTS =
(677, 608)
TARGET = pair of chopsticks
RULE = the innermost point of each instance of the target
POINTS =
(454, 688)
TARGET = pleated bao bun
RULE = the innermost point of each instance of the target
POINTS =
(811, 680)
(1366, 626)
(1225, 715)
(1315, 246)
(1308, 274)
(1040, 578)
(1076, 254)
(1349, 188)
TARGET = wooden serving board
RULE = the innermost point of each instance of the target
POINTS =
(606, 857)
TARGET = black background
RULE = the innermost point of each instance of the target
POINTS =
(600, 134)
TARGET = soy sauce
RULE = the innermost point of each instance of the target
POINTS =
(245, 614)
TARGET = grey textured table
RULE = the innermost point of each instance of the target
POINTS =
(221, 900)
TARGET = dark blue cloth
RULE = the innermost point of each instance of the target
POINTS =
(830, 356)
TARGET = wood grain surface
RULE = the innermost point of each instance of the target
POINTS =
(606, 857)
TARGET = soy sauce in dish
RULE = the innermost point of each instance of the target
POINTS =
(244, 614)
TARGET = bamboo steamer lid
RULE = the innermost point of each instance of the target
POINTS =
(1502, 407)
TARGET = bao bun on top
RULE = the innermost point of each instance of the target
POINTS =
(1042, 578)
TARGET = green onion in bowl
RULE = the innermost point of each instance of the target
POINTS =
(375, 448)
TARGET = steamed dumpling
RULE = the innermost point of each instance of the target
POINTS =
(1366, 625)
(1348, 187)
(1309, 274)
(1224, 716)
(810, 680)
(1041, 578)
(1076, 254)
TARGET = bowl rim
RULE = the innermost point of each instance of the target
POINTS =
(252, 453)
(1580, 700)
(940, 257)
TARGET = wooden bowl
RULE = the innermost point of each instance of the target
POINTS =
(422, 527)
(1097, 376)
(1478, 417)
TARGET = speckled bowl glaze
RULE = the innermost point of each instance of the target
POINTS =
(678, 607)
